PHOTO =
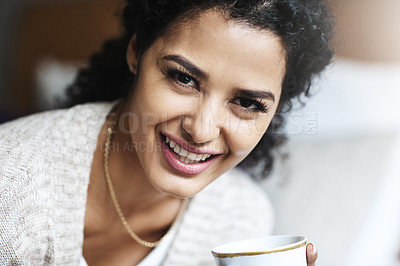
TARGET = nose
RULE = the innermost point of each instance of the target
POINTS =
(203, 124)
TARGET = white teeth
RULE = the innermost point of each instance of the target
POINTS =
(177, 149)
(183, 152)
(184, 155)
(191, 156)
(172, 144)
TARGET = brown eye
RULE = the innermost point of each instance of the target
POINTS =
(250, 105)
(247, 103)
(184, 79)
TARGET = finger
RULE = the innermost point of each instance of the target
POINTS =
(312, 254)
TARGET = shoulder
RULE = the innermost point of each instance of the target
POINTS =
(244, 201)
(237, 202)
(48, 145)
(45, 163)
(31, 141)
(237, 187)
(41, 123)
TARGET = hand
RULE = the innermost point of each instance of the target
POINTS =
(312, 254)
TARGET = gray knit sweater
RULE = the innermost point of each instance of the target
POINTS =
(45, 163)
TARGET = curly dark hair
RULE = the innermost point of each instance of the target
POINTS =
(304, 26)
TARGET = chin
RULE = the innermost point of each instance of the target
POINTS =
(180, 187)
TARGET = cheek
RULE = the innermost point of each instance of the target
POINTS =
(242, 145)
(243, 135)
(149, 104)
(155, 107)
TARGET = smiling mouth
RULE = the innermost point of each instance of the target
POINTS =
(184, 155)
(183, 161)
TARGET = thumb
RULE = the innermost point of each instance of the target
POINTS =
(312, 254)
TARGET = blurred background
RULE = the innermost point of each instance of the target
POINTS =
(42, 42)
(340, 186)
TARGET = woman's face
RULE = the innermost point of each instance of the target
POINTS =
(206, 90)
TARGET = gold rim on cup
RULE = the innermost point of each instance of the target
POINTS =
(302, 243)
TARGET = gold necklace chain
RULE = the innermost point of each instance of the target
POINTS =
(121, 215)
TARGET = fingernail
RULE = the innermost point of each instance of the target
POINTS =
(314, 248)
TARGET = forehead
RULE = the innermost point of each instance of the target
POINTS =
(221, 45)
(214, 25)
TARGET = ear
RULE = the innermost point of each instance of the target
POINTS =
(132, 55)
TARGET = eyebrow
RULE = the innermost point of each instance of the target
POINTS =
(189, 66)
(196, 71)
(256, 94)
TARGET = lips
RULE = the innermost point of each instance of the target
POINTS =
(184, 161)
(184, 155)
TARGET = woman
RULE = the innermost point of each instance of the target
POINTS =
(145, 177)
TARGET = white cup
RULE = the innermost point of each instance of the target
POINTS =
(284, 250)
